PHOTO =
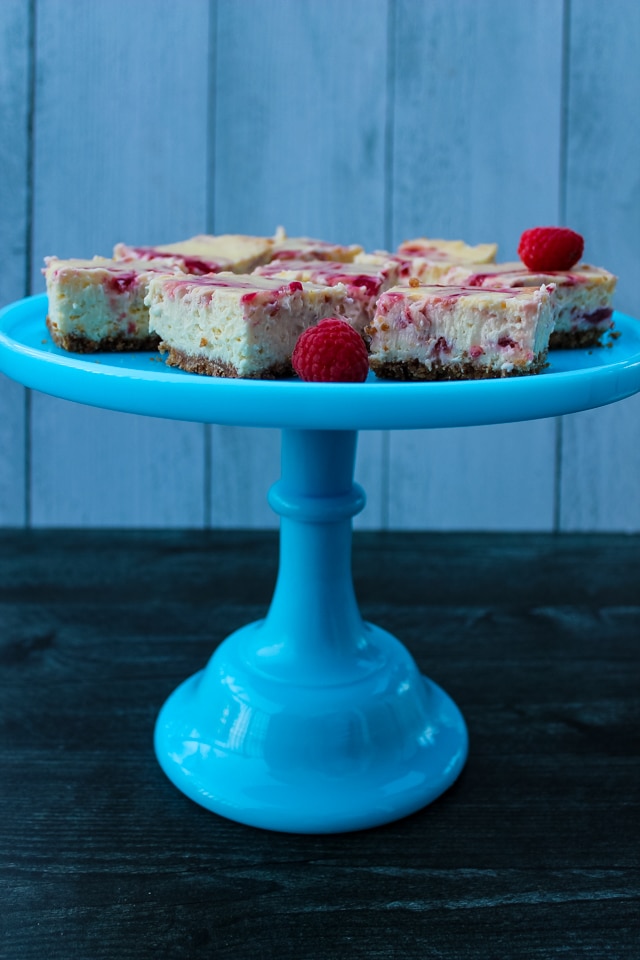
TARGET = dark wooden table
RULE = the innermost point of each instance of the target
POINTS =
(532, 854)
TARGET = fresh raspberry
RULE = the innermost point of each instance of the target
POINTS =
(550, 248)
(331, 351)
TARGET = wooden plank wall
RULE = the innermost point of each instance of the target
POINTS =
(353, 120)
(15, 233)
(131, 162)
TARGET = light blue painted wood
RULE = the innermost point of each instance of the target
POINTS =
(132, 163)
(477, 119)
(14, 148)
(105, 469)
(300, 142)
(125, 160)
(245, 462)
(372, 456)
(13, 507)
(600, 485)
(300, 118)
(476, 148)
(240, 499)
(15, 57)
(298, 130)
(472, 492)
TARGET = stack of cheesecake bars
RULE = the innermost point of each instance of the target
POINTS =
(234, 306)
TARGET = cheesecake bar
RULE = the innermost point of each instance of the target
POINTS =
(98, 305)
(364, 282)
(428, 260)
(433, 332)
(205, 254)
(304, 248)
(226, 325)
(584, 297)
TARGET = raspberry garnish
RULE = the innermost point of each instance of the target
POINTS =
(550, 248)
(331, 351)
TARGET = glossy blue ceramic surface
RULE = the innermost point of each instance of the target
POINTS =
(312, 720)
(142, 383)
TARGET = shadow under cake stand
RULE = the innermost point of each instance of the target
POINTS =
(312, 720)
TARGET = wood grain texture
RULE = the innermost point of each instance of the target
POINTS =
(237, 117)
(371, 472)
(97, 468)
(466, 76)
(300, 120)
(15, 68)
(532, 853)
(600, 459)
(489, 478)
(244, 465)
(600, 479)
(15, 101)
(299, 141)
(131, 165)
(246, 462)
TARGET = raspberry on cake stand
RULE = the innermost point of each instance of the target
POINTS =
(312, 720)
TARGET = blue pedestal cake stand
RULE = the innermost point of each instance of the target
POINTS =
(312, 720)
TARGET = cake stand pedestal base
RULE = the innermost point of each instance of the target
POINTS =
(312, 720)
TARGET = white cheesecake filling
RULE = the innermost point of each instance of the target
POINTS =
(88, 311)
(430, 260)
(452, 250)
(584, 295)
(97, 299)
(364, 282)
(247, 323)
(205, 253)
(306, 248)
(452, 325)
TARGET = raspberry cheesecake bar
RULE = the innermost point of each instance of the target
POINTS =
(584, 297)
(98, 305)
(236, 326)
(429, 259)
(205, 254)
(304, 248)
(432, 332)
(364, 282)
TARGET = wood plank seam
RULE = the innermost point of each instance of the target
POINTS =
(571, 20)
(562, 200)
(385, 445)
(31, 113)
(210, 214)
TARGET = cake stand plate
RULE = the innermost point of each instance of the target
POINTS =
(312, 720)
(142, 383)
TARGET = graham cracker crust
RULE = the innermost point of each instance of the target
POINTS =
(466, 370)
(577, 339)
(76, 343)
(220, 368)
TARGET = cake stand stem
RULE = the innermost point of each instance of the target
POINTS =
(314, 611)
(312, 720)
